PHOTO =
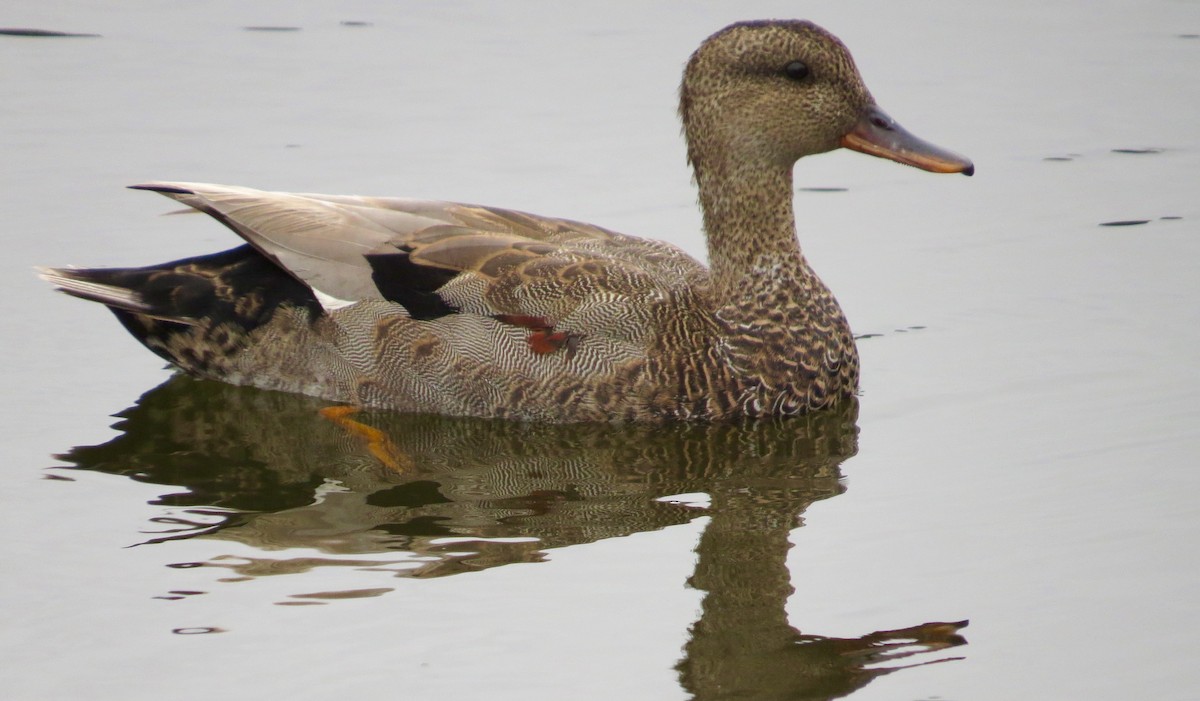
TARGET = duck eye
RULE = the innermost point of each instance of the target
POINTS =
(796, 70)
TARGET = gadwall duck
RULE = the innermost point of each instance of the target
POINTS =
(423, 306)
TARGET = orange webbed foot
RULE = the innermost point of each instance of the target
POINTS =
(378, 444)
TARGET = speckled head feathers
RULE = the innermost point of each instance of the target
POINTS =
(740, 103)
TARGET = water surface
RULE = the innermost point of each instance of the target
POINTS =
(1021, 456)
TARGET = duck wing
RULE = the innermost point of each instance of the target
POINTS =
(436, 258)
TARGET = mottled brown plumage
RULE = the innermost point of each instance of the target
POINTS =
(457, 309)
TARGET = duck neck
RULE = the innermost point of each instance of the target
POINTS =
(751, 227)
(785, 334)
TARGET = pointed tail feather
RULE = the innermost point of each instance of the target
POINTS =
(83, 283)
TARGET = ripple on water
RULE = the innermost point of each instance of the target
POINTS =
(321, 596)
(179, 594)
(41, 33)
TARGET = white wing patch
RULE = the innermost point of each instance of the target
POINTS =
(330, 303)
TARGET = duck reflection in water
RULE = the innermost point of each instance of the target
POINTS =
(460, 495)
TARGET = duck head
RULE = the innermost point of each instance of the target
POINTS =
(766, 93)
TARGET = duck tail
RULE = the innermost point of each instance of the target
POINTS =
(191, 312)
(96, 285)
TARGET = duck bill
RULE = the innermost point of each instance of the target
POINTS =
(879, 135)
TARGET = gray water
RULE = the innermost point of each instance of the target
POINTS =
(1023, 453)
